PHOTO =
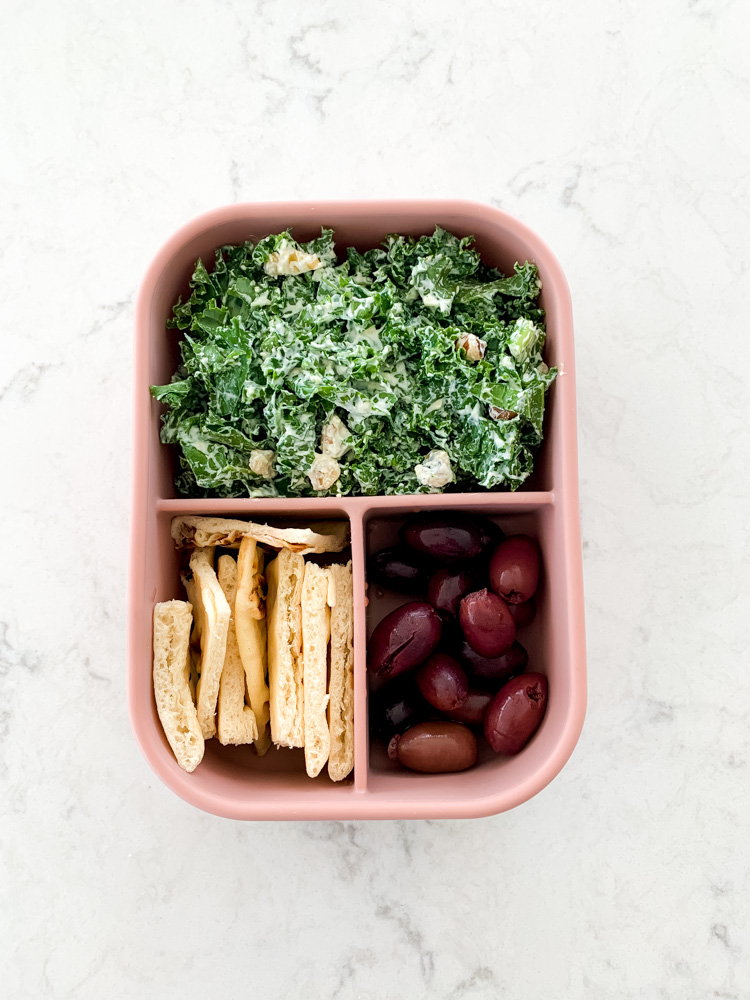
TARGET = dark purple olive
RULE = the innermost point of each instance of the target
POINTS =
(490, 533)
(486, 623)
(447, 587)
(501, 667)
(435, 747)
(403, 639)
(395, 707)
(442, 681)
(522, 614)
(473, 710)
(399, 568)
(515, 713)
(443, 536)
(514, 569)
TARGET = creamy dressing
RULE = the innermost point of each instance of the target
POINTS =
(338, 380)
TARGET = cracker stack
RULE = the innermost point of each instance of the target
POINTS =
(255, 668)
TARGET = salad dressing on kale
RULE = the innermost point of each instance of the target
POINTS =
(406, 369)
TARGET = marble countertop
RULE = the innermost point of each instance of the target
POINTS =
(618, 132)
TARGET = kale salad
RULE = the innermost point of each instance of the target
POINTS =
(406, 369)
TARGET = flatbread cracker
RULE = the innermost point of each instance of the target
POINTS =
(212, 611)
(285, 669)
(250, 624)
(235, 720)
(172, 621)
(202, 532)
(315, 633)
(341, 684)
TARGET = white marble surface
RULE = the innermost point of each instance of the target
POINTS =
(619, 132)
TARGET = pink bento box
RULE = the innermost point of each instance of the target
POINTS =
(232, 781)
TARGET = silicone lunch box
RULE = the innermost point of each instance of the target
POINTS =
(232, 781)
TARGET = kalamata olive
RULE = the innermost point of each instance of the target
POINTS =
(435, 747)
(447, 587)
(486, 623)
(442, 681)
(473, 710)
(399, 568)
(490, 533)
(522, 614)
(395, 707)
(443, 536)
(515, 713)
(501, 667)
(403, 639)
(514, 569)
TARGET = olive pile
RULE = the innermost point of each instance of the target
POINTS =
(452, 661)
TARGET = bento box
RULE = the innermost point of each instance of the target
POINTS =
(232, 781)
